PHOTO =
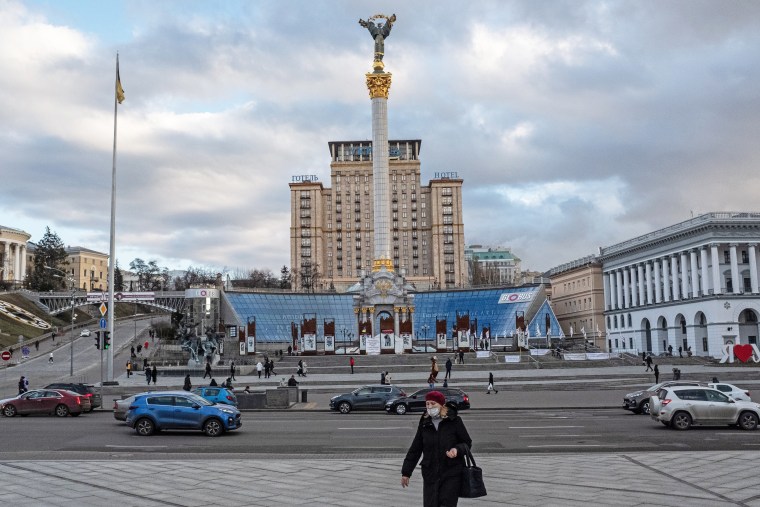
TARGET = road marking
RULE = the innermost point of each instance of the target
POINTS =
(540, 427)
(544, 435)
(381, 428)
(138, 446)
(565, 445)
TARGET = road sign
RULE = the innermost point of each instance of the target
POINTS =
(103, 323)
(25, 351)
(103, 309)
(6, 355)
(135, 296)
(95, 297)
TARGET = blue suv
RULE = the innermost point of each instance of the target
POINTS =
(180, 410)
(217, 395)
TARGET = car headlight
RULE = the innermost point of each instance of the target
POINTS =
(634, 395)
(226, 410)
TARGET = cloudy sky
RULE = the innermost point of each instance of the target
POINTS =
(573, 124)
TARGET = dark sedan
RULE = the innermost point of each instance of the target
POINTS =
(371, 397)
(415, 402)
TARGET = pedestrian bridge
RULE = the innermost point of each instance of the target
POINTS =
(58, 302)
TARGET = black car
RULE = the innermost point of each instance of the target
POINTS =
(415, 402)
(371, 397)
(83, 389)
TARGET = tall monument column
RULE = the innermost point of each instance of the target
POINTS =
(378, 84)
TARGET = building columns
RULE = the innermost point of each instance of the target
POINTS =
(694, 274)
(640, 279)
(619, 286)
(737, 284)
(607, 293)
(648, 271)
(626, 289)
(657, 282)
(613, 291)
(705, 285)
(753, 268)
(665, 280)
(716, 281)
(674, 276)
(684, 277)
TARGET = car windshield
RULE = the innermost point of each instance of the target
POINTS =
(198, 399)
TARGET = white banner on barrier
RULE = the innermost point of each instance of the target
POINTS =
(599, 355)
(511, 359)
(539, 352)
(482, 354)
(574, 357)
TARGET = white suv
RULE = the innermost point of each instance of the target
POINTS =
(680, 407)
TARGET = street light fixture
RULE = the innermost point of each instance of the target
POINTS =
(73, 293)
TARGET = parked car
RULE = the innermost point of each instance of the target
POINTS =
(638, 402)
(217, 395)
(415, 402)
(120, 407)
(180, 410)
(85, 390)
(44, 401)
(85, 332)
(731, 391)
(372, 397)
(682, 407)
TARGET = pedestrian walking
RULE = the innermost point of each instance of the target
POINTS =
(290, 350)
(26, 384)
(387, 378)
(129, 369)
(680, 351)
(50, 358)
(300, 368)
(21, 389)
(232, 370)
(490, 384)
(649, 362)
(382, 377)
(351, 362)
(656, 375)
(52, 337)
(259, 367)
(154, 374)
(442, 441)
(148, 375)
(37, 345)
(448, 369)
(266, 369)
(187, 385)
(208, 370)
(271, 367)
(461, 357)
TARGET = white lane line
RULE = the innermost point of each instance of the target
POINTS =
(565, 445)
(380, 428)
(540, 427)
(544, 435)
(138, 446)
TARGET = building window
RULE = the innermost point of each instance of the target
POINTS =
(726, 257)
(745, 259)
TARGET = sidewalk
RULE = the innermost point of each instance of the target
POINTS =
(669, 479)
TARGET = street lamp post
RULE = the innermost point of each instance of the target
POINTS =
(73, 294)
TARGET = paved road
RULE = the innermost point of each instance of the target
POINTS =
(367, 434)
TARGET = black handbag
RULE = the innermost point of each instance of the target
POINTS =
(471, 485)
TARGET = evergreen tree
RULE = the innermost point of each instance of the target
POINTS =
(285, 278)
(118, 278)
(49, 262)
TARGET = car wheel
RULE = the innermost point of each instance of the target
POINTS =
(145, 427)
(644, 407)
(748, 421)
(213, 428)
(681, 421)
(61, 410)
(9, 411)
(401, 409)
(344, 407)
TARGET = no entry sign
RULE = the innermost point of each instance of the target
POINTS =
(5, 355)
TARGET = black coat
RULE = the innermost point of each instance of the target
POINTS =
(440, 474)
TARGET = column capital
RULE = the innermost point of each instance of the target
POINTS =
(752, 245)
(733, 245)
(378, 84)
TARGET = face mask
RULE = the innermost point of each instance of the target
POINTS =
(433, 412)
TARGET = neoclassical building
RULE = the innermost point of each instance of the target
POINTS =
(692, 285)
(13, 254)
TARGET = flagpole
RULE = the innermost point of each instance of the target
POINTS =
(112, 251)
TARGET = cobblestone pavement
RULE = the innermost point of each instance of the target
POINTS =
(675, 479)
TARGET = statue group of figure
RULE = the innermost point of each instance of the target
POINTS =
(379, 32)
(200, 350)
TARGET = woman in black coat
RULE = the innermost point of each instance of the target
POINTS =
(442, 441)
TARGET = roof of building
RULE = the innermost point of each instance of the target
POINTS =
(71, 250)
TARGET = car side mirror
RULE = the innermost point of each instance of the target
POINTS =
(196, 406)
(731, 400)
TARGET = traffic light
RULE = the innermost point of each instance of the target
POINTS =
(106, 340)
(97, 339)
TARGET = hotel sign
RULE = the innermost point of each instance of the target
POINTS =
(303, 178)
(445, 176)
